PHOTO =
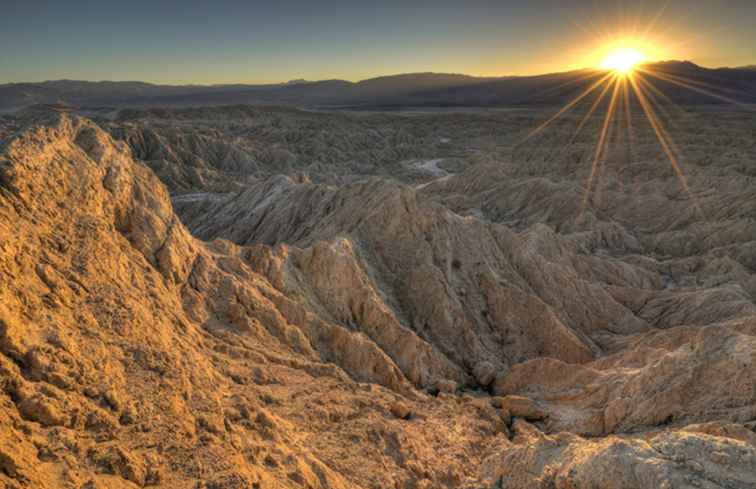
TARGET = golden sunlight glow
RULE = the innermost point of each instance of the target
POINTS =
(623, 60)
(603, 101)
(628, 81)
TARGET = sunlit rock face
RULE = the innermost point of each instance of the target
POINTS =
(427, 305)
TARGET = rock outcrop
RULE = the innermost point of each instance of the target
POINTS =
(134, 355)
(674, 459)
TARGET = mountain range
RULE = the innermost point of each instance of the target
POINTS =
(396, 91)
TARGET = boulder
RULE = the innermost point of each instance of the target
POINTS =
(520, 407)
(484, 373)
(401, 410)
(446, 386)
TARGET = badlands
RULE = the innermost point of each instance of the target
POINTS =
(265, 297)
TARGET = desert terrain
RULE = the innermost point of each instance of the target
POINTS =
(236, 296)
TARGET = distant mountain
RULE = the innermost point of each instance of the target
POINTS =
(688, 83)
(405, 90)
(16, 95)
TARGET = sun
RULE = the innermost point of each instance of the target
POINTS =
(623, 60)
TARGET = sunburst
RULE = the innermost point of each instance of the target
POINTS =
(624, 60)
(626, 78)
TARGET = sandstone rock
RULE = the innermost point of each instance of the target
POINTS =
(734, 431)
(12, 339)
(616, 410)
(571, 461)
(42, 410)
(497, 401)
(18, 460)
(520, 407)
(401, 410)
(484, 373)
(605, 396)
(506, 416)
(446, 386)
(119, 461)
(114, 400)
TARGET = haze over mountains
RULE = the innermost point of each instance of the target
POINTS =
(409, 90)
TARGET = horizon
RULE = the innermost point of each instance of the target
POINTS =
(389, 75)
(235, 42)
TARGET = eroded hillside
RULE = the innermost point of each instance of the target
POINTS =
(370, 320)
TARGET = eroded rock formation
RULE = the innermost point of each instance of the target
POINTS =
(359, 335)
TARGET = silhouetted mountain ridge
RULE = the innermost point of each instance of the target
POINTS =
(403, 90)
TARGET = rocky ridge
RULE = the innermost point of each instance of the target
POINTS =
(526, 306)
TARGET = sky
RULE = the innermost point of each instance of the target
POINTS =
(237, 41)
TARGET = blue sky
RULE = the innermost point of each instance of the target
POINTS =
(227, 41)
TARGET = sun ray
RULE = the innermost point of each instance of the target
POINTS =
(653, 97)
(693, 88)
(600, 145)
(658, 93)
(590, 112)
(572, 81)
(639, 90)
(655, 19)
(567, 107)
(655, 107)
(628, 113)
(699, 83)
(662, 136)
(625, 131)
(610, 144)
